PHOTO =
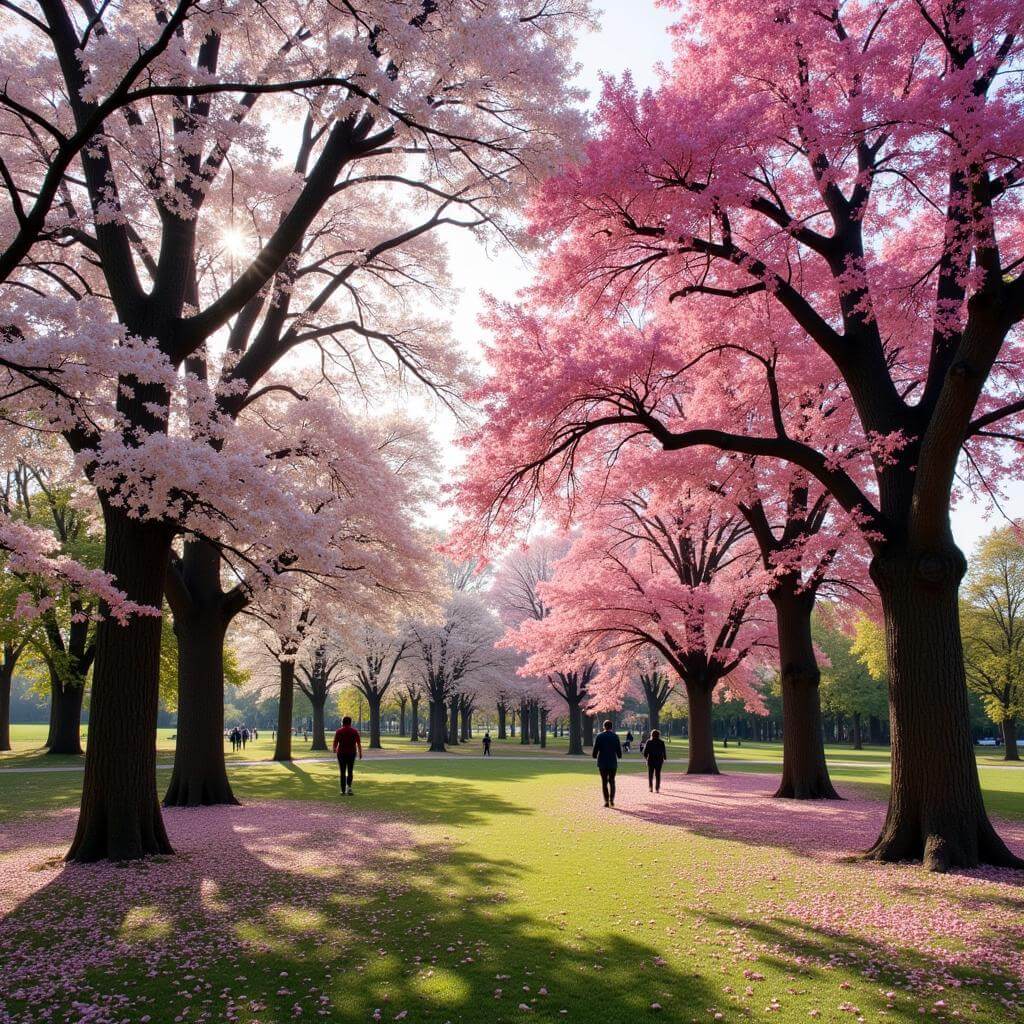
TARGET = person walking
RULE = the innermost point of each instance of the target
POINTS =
(487, 744)
(607, 751)
(656, 754)
(629, 741)
(346, 743)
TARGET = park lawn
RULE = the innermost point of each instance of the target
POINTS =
(510, 876)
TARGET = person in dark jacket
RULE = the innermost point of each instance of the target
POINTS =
(655, 752)
(607, 751)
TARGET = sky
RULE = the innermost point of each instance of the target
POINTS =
(632, 36)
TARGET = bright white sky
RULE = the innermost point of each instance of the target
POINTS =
(632, 36)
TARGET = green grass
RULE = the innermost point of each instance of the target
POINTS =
(515, 869)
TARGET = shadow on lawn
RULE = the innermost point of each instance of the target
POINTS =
(280, 911)
(916, 979)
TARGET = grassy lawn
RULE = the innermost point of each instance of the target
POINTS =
(446, 880)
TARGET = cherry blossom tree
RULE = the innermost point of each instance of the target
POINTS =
(374, 659)
(854, 174)
(680, 577)
(164, 260)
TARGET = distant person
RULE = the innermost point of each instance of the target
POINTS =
(656, 754)
(346, 743)
(245, 736)
(607, 751)
(629, 741)
(487, 744)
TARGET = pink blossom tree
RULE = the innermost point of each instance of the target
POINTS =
(163, 265)
(854, 171)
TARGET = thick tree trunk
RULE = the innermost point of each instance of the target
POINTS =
(804, 771)
(512, 723)
(120, 811)
(1010, 750)
(587, 724)
(285, 712)
(858, 739)
(936, 811)
(465, 724)
(437, 726)
(534, 722)
(200, 776)
(319, 736)
(544, 727)
(524, 723)
(702, 742)
(575, 728)
(65, 718)
(402, 702)
(502, 716)
(6, 675)
(374, 706)
(653, 713)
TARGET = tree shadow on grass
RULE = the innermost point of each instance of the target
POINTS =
(740, 807)
(897, 980)
(289, 911)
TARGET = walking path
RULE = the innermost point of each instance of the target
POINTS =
(449, 756)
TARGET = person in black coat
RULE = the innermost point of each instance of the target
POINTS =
(655, 752)
(607, 751)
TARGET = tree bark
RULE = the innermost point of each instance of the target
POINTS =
(534, 722)
(936, 811)
(524, 723)
(575, 728)
(402, 703)
(438, 720)
(587, 724)
(120, 812)
(200, 776)
(373, 702)
(285, 712)
(453, 721)
(858, 739)
(702, 743)
(6, 675)
(319, 736)
(465, 722)
(544, 727)
(65, 718)
(1010, 750)
(804, 770)
(414, 722)
(502, 717)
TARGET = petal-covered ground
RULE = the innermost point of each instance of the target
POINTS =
(507, 898)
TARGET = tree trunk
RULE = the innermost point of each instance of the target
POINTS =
(65, 718)
(285, 712)
(414, 721)
(200, 776)
(6, 675)
(653, 713)
(120, 811)
(437, 726)
(804, 771)
(858, 739)
(319, 736)
(575, 728)
(374, 705)
(524, 723)
(587, 725)
(534, 722)
(1010, 750)
(502, 716)
(402, 702)
(465, 723)
(702, 742)
(453, 722)
(936, 811)
(544, 727)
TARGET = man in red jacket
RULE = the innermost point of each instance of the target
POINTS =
(346, 743)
